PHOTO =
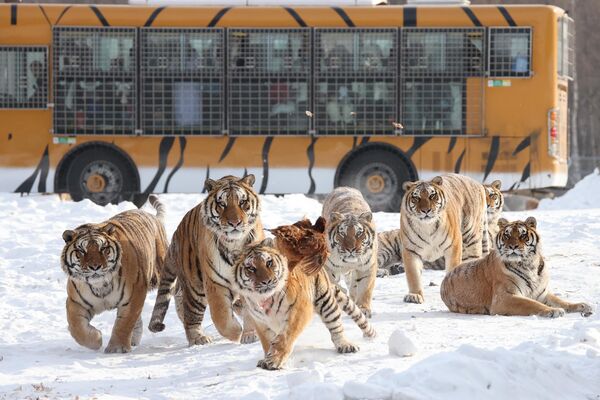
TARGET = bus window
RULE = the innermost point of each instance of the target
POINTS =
(566, 47)
(510, 52)
(442, 80)
(95, 85)
(356, 81)
(23, 77)
(269, 76)
(182, 80)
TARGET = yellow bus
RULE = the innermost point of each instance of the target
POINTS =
(113, 102)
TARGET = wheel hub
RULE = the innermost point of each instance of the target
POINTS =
(95, 183)
(101, 181)
(375, 183)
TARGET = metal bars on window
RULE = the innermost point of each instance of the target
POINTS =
(355, 81)
(566, 47)
(510, 52)
(269, 81)
(23, 77)
(181, 81)
(442, 73)
(95, 80)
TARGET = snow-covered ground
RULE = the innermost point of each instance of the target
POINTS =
(456, 356)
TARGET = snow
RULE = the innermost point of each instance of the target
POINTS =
(583, 195)
(459, 356)
(401, 345)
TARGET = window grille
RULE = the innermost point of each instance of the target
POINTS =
(442, 81)
(269, 87)
(355, 81)
(182, 81)
(566, 47)
(95, 83)
(510, 52)
(23, 77)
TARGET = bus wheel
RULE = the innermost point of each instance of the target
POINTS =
(103, 174)
(378, 171)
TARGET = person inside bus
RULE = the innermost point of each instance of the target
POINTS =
(339, 107)
(39, 89)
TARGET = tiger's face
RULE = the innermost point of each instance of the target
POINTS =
(424, 200)
(518, 240)
(91, 253)
(350, 236)
(494, 197)
(232, 206)
(261, 271)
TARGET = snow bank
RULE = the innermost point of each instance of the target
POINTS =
(584, 194)
(401, 345)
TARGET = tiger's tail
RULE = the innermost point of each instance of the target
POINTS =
(166, 290)
(158, 206)
(350, 308)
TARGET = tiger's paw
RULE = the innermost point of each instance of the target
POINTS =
(585, 309)
(414, 298)
(366, 311)
(92, 341)
(248, 337)
(370, 333)
(270, 363)
(347, 347)
(116, 348)
(382, 273)
(199, 339)
(553, 313)
(155, 326)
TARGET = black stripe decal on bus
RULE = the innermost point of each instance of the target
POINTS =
(218, 17)
(364, 140)
(419, 141)
(410, 16)
(344, 16)
(42, 168)
(62, 14)
(227, 149)
(265, 159)
(472, 16)
(13, 14)
(310, 152)
(182, 144)
(492, 156)
(522, 146)
(45, 15)
(296, 16)
(101, 18)
(507, 16)
(154, 15)
(459, 162)
(166, 144)
(452, 143)
(204, 190)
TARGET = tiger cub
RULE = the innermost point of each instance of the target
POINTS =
(113, 264)
(511, 280)
(495, 201)
(283, 283)
(443, 217)
(200, 260)
(352, 244)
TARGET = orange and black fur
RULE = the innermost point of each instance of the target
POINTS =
(111, 265)
(283, 284)
(200, 261)
(511, 280)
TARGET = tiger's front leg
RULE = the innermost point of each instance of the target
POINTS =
(413, 265)
(128, 315)
(79, 317)
(555, 301)
(248, 330)
(362, 289)
(220, 301)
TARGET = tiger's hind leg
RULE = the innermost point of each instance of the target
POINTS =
(138, 330)
(359, 317)
(328, 309)
(163, 296)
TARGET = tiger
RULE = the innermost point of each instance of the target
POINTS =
(283, 283)
(113, 264)
(352, 243)
(443, 217)
(511, 280)
(200, 260)
(495, 202)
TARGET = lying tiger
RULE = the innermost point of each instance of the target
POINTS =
(111, 265)
(282, 286)
(511, 280)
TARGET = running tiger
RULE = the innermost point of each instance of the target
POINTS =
(443, 217)
(352, 244)
(282, 286)
(511, 280)
(111, 265)
(200, 260)
(495, 201)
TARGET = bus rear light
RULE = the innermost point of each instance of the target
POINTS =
(553, 138)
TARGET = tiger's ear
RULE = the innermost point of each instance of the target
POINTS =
(109, 229)
(366, 216)
(209, 184)
(502, 222)
(267, 242)
(68, 236)
(336, 217)
(248, 180)
(437, 180)
(319, 225)
(496, 184)
(531, 222)
(408, 185)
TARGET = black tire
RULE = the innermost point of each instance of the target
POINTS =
(378, 171)
(101, 173)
